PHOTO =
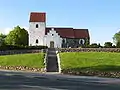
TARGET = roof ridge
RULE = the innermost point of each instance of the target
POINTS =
(59, 27)
(80, 29)
(37, 12)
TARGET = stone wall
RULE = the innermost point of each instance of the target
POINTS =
(89, 49)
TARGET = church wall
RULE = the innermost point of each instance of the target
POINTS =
(36, 33)
(73, 42)
(53, 36)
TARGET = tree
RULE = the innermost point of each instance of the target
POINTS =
(87, 43)
(100, 46)
(118, 44)
(2, 39)
(94, 45)
(108, 45)
(116, 39)
(18, 36)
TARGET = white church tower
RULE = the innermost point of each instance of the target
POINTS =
(37, 26)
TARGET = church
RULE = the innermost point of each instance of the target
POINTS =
(54, 37)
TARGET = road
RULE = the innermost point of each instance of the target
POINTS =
(10, 80)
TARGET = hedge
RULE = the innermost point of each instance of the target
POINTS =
(12, 47)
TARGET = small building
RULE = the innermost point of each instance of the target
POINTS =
(57, 37)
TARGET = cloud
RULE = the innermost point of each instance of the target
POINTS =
(7, 30)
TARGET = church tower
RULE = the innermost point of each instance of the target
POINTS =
(37, 25)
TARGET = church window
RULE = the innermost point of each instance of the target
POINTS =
(36, 40)
(36, 25)
(81, 41)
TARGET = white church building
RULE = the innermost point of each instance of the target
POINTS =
(54, 37)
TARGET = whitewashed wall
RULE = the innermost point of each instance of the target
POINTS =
(36, 33)
(52, 35)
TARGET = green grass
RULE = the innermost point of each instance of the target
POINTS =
(101, 61)
(29, 60)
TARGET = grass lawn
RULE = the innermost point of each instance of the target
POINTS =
(95, 61)
(29, 60)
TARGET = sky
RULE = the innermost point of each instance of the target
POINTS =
(100, 17)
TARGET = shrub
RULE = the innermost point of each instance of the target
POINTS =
(108, 45)
(15, 47)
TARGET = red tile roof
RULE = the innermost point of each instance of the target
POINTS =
(37, 17)
(81, 33)
(70, 32)
(63, 32)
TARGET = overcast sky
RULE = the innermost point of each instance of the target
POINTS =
(101, 17)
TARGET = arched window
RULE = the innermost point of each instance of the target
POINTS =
(36, 40)
(36, 25)
(81, 41)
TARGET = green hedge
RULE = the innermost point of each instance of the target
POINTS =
(12, 47)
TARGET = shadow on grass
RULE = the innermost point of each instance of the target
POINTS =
(98, 68)
(101, 70)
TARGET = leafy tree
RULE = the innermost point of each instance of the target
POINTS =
(99, 46)
(87, 43)
(18, 36)
(113, 46)
(94, 45)
(108, 45)
(2, 39)
(118, 44)
(116, 39)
